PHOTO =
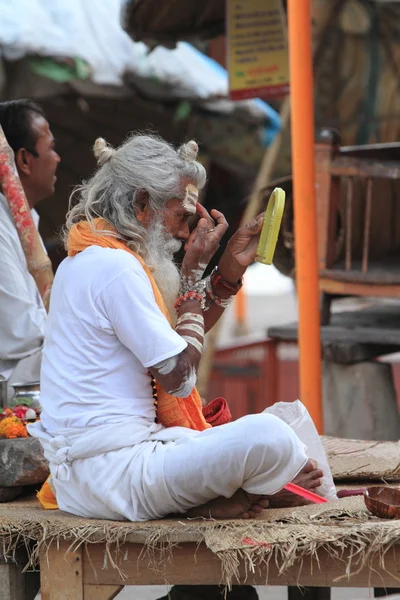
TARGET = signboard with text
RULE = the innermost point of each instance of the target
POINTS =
(257, 58)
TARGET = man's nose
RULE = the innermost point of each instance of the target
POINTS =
(184, 232)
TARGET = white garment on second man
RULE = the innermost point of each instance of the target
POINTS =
(22, 313)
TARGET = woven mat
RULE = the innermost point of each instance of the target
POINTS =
(362, 460)
(25, 514)
(281, 535)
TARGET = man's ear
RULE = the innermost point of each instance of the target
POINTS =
(23, 161)
(142, 205)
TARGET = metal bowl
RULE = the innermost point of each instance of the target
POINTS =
(26, 386)
(27, 392)
(383, 501)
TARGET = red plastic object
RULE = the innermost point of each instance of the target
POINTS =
(348, 493)
(296, 489)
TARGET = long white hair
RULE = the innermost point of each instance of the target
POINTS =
(144, 163)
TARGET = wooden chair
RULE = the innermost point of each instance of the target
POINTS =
(358, 211)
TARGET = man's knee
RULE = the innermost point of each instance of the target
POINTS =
(262, 427)
(268, 434)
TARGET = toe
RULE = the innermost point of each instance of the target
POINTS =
(311, 465)
(263, 502)
(314, 483)
(252, 514)
(311, 477)
(256, 508)
(253, 498)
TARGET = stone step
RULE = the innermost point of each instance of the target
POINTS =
(22, 463)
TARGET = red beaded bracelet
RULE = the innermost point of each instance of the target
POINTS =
(216, 278)
(186, 297)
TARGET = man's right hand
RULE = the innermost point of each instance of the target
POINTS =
(203, 241)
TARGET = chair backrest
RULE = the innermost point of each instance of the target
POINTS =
(358, 203)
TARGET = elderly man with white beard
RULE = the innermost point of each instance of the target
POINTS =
(122, 423)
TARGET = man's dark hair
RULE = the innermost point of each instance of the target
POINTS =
(16, 121)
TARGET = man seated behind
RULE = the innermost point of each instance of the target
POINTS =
(22, 314)
(122, 424)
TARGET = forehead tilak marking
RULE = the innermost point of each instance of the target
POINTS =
(191, 197)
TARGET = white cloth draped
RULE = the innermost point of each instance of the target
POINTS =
(136, 470)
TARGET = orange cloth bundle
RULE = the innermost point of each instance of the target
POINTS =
(217, 412)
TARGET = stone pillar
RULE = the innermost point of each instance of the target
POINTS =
(360, 401)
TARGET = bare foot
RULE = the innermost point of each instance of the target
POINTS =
(240, 506)
(308, 478)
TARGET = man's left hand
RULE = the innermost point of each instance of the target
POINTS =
(241, 250)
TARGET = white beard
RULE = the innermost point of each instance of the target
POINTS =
(160, 249)
(167, 278)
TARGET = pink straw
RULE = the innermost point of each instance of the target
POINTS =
(296, 489)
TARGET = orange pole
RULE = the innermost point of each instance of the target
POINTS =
(305, 223)
(240, 307)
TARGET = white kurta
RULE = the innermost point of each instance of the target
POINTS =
(108, 458)
(22, 314)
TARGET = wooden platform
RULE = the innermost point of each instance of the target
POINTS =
(337, 544)
(86, 575)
